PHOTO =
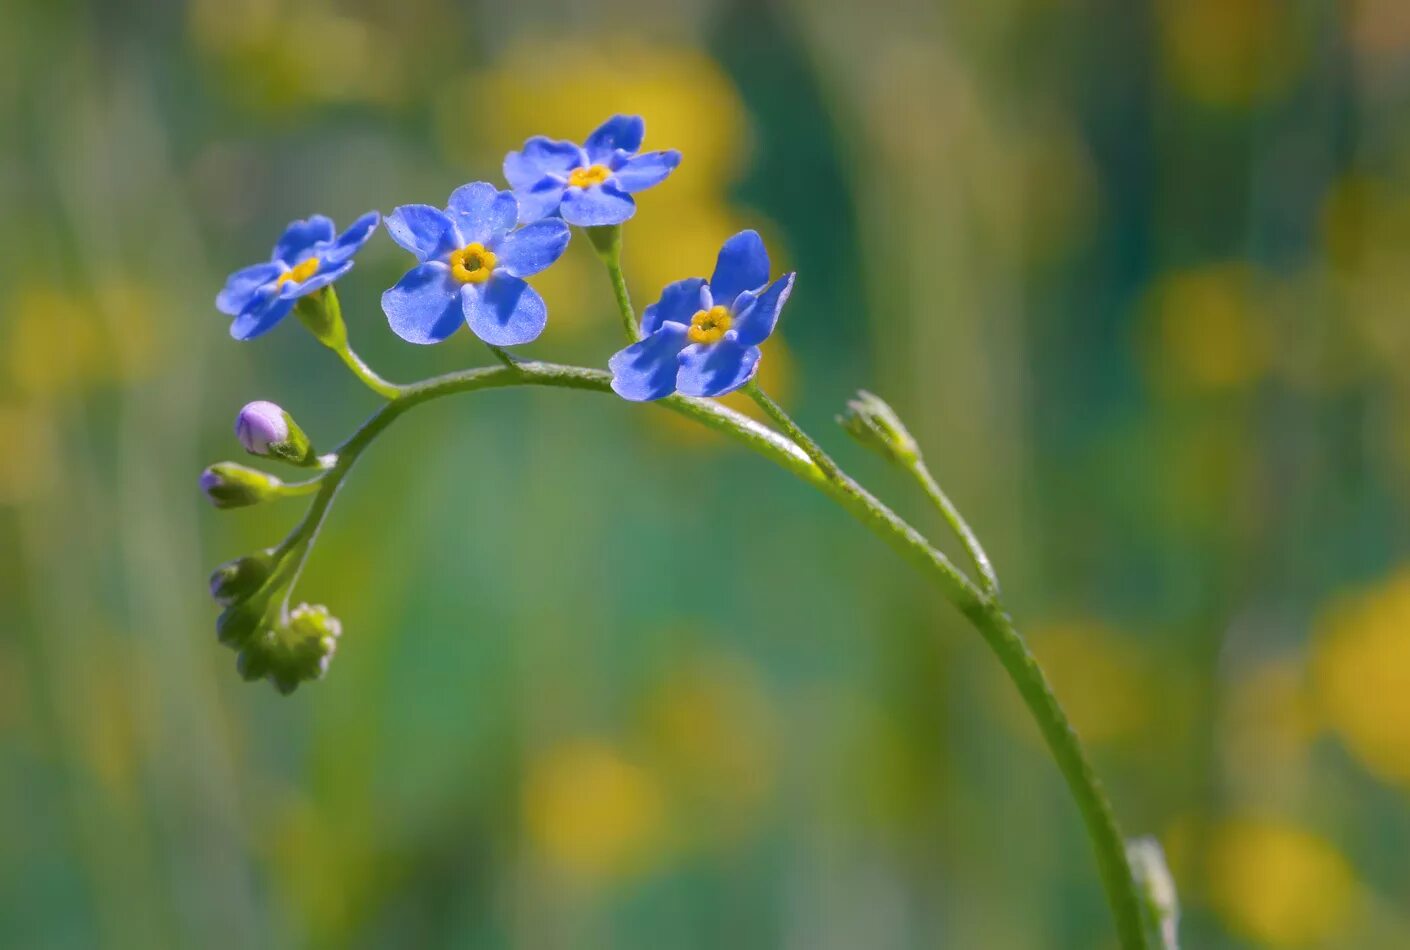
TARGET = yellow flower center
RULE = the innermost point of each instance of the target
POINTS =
(709, 326)
(300, 273)
(472, 264)
(591, 175)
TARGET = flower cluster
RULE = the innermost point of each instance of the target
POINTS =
(473, 260)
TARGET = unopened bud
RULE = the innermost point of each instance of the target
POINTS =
(235, 580)
(231, 485)
(874, 424)
(239, 623)
(266, 430)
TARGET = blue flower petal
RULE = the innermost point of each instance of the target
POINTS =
(715, 369)
(541, 200)
(647, 369)
(620, 131)
(424, 306)
(423, 230)
(596, 205)
(504, 311)
(642, 171)
(262, 316)
(756, 315)
(350, 241)
(743, 265)
(679, 302)
(241, 287)
(533, 247)
(541, 156)
(300, 236)
(482, 212)
(325, 275)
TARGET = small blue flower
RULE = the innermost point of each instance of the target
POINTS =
(472, 268)
(702, 339)
(588, 185)
(306, 258)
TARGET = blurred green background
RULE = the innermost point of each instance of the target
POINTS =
(1135, 271)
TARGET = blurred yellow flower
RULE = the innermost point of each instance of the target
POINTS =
(1100, 677)
(1269, 724)
(1361, 669)
(282, 55)
(1210, 327)
(564, 88)
(589, 811)
(59, 342)
(1278, 884)
(1231, 53)
(23, 473)
(711, 726)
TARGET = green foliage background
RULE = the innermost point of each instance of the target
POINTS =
(1135, 272)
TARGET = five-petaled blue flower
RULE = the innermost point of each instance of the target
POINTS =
(472, 270)
(591, 185)
(702, 339)
(306, 258)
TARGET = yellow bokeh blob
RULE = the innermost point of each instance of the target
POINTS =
(1278, 884)
(1361, 672)
(589, 811)
(564, 89)
(1100, 677)
(1229, 53)
(1210, 327)
(712, 727)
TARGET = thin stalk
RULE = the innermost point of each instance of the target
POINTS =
(988, 578)
(369, 376)
(800, 455)
(607, 241)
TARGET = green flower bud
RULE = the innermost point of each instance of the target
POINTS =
(1160, 902)
(297, 651)
(874, 424)
(322, 314)
(231, 485)
(240, 622)
(266, 430)
(235, 580)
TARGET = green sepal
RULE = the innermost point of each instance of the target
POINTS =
(322, 314)
(232, 485)
(237, 579)
(606, 240)
(238, 624)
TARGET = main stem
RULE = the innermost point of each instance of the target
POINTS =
(980, 608)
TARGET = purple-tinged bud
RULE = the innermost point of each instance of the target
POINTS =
(231, 485)
(266, 430)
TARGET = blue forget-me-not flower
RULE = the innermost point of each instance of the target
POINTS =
(306, 258)
(472, 268)
(702, 339)
(588, 185)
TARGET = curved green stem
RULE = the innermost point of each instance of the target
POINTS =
(988, 578)
(607, 241)
(369, 376)
(980, 608)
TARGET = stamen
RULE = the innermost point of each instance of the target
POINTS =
(300, 273)
(709, 326)
(591, 175)
(472, 264)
